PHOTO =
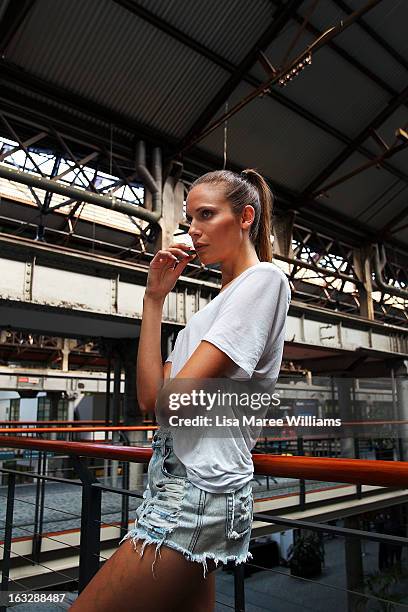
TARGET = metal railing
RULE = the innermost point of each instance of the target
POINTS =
(372, 472)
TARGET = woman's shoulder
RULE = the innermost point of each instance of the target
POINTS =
(266, 279)
(266, 270)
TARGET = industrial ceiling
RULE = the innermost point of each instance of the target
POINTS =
(167, 69)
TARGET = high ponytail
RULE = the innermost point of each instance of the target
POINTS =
(249, 187)
(262, 240)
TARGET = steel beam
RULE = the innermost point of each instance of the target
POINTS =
(394, 221)
(13, 17)
(196, 162)
(220, 61)
(294, 67)
(391, 107)
(281, 17)
(374, 35)
(70, 294)
(353, 61)
(377, 161)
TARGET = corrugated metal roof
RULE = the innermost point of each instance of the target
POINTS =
(330, 88)
(3, 6)
(360, 44)
(117, 60)
(227, 28)
(266, 135)
(389, 19)
(359, 194)
(386, 207)
(402, 236)
(399, 119)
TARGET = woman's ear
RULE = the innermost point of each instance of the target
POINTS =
(248, 216)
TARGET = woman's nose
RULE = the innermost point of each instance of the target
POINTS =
(193, 230)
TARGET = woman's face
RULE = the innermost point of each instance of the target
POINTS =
(216, 231)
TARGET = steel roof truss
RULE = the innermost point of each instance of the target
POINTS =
(391, 107)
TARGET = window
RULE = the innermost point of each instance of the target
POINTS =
(14, 410)
(43, 409)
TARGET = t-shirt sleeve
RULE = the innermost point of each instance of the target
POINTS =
(252, 312)
(170, 356)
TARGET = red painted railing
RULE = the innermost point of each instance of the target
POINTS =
(353, 471)
(42, 430)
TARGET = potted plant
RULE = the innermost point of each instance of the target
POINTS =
(305, 556)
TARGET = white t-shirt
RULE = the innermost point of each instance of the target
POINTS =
(247, 322)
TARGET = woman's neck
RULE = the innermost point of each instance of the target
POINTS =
(233, 268)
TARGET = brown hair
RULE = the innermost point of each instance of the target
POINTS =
(249, 187)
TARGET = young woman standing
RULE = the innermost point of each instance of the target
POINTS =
(198, 505)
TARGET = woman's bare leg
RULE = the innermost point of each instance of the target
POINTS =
(203, 599)
(126, 583)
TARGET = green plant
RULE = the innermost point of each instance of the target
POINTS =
(384, 585)
(306, 555)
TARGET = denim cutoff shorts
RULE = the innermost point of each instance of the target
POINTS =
(196, 523)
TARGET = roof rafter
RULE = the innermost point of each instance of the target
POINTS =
(316, 215)
(353, 61)
(373, 34)
(173, 32)
(392, 223)
(228, 66)
(281, 17)
(391, 107)
(12, 19)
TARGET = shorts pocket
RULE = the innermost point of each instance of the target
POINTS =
(172, 466)
(240, 506)
(160, 514)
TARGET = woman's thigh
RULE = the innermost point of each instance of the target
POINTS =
(126, 582)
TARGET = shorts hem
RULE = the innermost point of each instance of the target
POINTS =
(136, 535)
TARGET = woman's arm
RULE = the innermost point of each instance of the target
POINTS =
(164, 270)
(149, 375)
(207, 361)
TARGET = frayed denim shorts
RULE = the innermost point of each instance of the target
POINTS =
(196, 523)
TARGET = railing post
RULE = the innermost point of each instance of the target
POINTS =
(39, 509)
(124, 523)
(359, 490)
(5, 574)
(239, 587)
(302, 483)
(90, 543)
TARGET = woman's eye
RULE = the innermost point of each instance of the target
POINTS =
(206, 214)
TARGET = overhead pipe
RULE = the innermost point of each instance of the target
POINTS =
(82, 195)
(153, 183)
(380, 260)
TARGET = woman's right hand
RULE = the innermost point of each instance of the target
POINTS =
(165, 268)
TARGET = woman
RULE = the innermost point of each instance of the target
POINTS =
(197, 508)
